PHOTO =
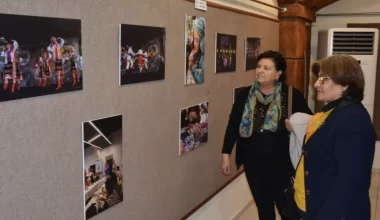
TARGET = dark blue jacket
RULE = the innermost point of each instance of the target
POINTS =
(338, 164)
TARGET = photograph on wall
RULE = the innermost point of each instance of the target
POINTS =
(102, 161)
(141, 53)
(193, 127)
(39, 56)
(236, 91)
(225, 53)
(252, 51)
(195, 30)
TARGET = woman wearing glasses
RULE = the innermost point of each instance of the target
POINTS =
(257, 124)
(334, 174)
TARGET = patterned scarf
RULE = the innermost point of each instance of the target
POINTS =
(273, 114)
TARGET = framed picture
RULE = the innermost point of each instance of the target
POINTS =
(98, 166)
(39, 56)
(141, 54)
(195, 32)
(193, 127)
(252, 51)
(225, 53)
(102, 161)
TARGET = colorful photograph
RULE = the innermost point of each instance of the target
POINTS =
(252, 51)
(193, 127)
(225, 53)
(236, 91)
(142, 54)
(39, 56)
(195, 30)
(102, 160)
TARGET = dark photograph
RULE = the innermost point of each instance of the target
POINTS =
(142, 54)
(39, 56)
(225, 53)
(252, 51)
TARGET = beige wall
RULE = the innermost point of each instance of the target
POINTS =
(326, 22)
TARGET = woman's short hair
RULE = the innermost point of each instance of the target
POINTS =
(343, 70)
(278, 59)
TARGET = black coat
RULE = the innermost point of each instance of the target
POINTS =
(273, 143)
(338, 160)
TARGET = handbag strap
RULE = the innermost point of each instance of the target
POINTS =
(293, 174)
(290, 100)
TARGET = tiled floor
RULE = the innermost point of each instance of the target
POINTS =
(250, 212)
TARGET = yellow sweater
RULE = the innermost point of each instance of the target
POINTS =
(299, 181)
(299, 186)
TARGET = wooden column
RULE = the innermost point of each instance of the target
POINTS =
(295, 35)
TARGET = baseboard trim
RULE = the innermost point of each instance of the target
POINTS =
(243, 210)
(212, 195)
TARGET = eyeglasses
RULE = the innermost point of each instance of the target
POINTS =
(322, 79)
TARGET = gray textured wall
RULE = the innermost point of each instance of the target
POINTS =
(40, 150)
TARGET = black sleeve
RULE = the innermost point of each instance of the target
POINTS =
(232, 130)
(299, 103)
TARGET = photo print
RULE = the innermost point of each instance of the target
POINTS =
(142, 54)
(225, 53)
(236, 91)
(252, 51)
(195, 30)
(193, 127)
(39, 56)
(102, 160)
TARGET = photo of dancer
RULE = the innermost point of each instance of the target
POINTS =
(225, 53)
(142, 54)
(252, 51)
(102, 155)
(195, 30)
(36, 56)
(193, 127)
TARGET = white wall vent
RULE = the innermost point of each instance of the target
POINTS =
(353, 43)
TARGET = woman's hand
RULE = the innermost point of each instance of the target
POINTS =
(288, 125)
(225, 164)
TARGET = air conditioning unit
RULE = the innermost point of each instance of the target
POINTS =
(360, 43)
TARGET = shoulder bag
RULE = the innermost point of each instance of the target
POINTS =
(289, 207)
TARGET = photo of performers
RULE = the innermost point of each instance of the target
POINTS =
(225, 53)
(142, 54)
(39, 56)
(103, 170)
(252, 51)
(195, 30)
(193, 127)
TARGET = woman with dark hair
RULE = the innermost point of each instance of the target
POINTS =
(334, 174)
(258, 124)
